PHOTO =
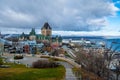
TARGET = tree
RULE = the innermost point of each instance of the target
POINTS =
(55, 53)
(96, 60)
(1, 61)
(117, 68)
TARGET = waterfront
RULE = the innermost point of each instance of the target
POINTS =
(114, 42)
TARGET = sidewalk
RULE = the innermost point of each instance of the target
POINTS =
(69, 73)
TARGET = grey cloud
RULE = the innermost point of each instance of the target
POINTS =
(73, 15)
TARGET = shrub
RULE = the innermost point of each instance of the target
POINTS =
(1, 61)
(44, 64)
(18, 57)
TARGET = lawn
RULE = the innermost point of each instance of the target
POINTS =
(20, 72)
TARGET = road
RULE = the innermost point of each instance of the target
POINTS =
(27, 60)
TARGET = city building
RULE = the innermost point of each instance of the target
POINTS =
(1, 48)
(45, 36)
(22, 37)
(32, 34)
(31, 42)
(46, 30)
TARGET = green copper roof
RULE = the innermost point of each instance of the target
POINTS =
(42, 37)
(22, 35)
(32, 32)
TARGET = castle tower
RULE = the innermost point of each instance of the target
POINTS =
(46, 30)
(32, 34)
(22, 36)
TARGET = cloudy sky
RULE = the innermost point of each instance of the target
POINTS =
(66, 17)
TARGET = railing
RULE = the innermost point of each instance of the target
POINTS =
(70, 61)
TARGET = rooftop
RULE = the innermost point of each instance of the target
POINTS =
(46, 26)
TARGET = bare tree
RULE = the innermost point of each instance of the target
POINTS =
(94, 61)
(116, 64)
(55, 52)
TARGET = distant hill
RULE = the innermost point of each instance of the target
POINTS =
(84, 37)
(68, 37)
(10, 35)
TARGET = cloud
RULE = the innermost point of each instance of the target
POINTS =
(17, 16)
(117, 2)
(66, 15)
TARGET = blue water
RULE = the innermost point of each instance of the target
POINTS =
(115, 43)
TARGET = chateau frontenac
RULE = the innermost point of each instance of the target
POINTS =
(45, 36)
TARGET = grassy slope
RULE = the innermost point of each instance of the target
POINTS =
(20, 72)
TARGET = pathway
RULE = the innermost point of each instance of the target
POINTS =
(69, 73)
(29, 60)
